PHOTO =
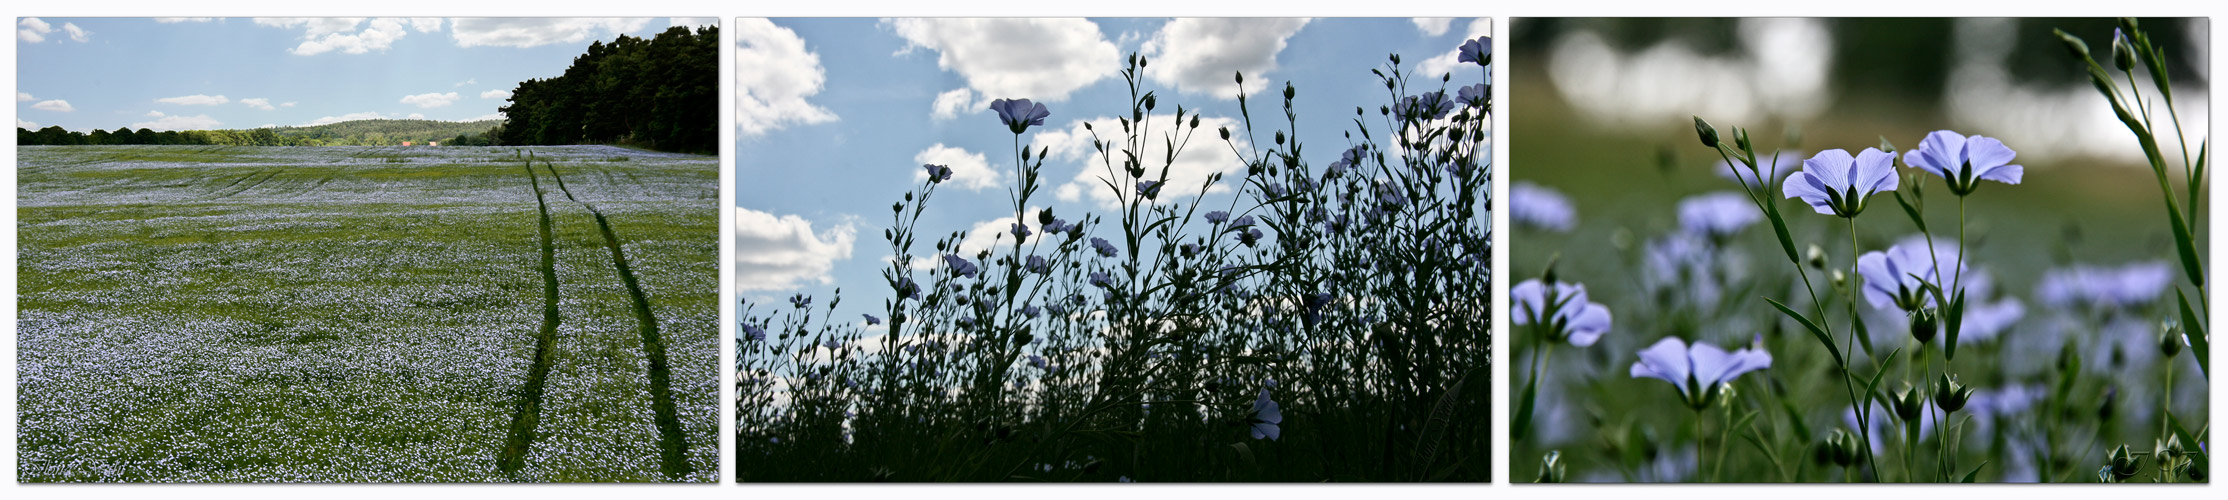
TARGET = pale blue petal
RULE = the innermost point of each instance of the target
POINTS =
(1590, 325)
(1666, 361)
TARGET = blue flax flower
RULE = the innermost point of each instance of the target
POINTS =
(1218, 216)
(800, 301)
(1566, 314)
(871, 320)
(753, 332)
(1038, 265)
(1429, 105)
(1899, 276)
(2126, 286)
(1151, 189)
(1019, 114)
(1266, 418)
(1020, 231)
(960, 265)
(1834, 183)
(1031, 311)
(1541, 207)
(1965, 161)
(1105, 248)
(1717, 215)
(1473, 95)
(1476, 51)
(1101, 279)
(1352, 158)
(938, 173)
(1698, 370)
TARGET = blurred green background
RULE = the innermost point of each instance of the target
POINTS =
(1601, 111)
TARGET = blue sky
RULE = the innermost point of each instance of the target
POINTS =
(835, 116)
(201, 73)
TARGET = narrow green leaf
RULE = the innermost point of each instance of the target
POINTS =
(2200, 344)
(1779, 228)
(1864, 335)
(1523, 424)
(1911, 211)
(1823, 337)
(2186, 245)
(1871, 388)
(1975, 473)
(1950, 324)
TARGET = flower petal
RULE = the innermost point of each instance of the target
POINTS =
(1807, 187)
(1987, 153)
(1589, 325)
(1710, 364)
(1830, 168)
(1526, 301)
(1666, 361)
(1879, 279)
(1940, 153)
(1873, 171)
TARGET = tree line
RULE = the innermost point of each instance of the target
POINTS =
(658, 93)
(348, 133)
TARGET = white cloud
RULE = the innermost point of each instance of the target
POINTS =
(259, 103)
(467, 81)
(496, 94)
(56, 105)
(416, 116)
(1004, 58)
(1433, 26)
(522, 32)
(425, 24)
(1442, 64)
(1204, 156)
(175, 122)
(367, 115)
(154, 113)
(326, 34)
(195, 100)
(24, 97)
(969, 170)
(431, 99)
(988, 233)
(287, 104)
(693, 22)
(168, 20)
(489, 116)
(76, 34)
(1198, 54)
(781, 253)
(33, 30)
(782, 73)
(19, 123)
(950, 104)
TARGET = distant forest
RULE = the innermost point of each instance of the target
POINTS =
(658, 93)
(661, 93)
(349, 133)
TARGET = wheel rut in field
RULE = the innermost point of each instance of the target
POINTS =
(672, 442)
(526, 415)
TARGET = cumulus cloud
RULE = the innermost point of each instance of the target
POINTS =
(467, 81)
(1441, 64)
(195, 100)
(55, 105)
(259, 103)
(32, 30)
(496, 94)
(327, 34)
(287, 104)
(950, 104)
(969, 170)
(430, 99)
(367, 115)
(693, 22)
(1433, 26)
(990, 233)
(522, 32)
(1042, 59)
(76, 34)
(20, 123)
(168, 20)
(24, 97)
(175, 122)
(1197, 54)
(783, 252)
(1204, 156)
(780, 74)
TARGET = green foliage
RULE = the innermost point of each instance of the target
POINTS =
(348, 133)
(659, 93)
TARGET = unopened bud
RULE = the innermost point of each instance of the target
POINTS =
(1708, 133)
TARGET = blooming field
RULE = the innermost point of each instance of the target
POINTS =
(1328, 322)
(1860, 299)
(345, 314)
